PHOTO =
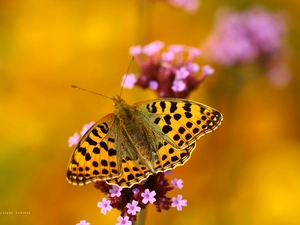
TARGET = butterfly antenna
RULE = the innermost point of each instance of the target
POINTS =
(93, 92)
(130, 62)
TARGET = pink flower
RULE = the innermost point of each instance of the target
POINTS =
(129, 82)
(105, 206)
(133, 208)
(177, 183)
(83, 222)
(148, 196)
(124, 221)
(178, 202)
(171, 73)
(136, 50)
(115, 191)
(73, 140)
(178, 86)
(86, 127)
(207, 70)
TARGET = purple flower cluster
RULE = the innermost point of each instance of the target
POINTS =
(245, 37)
(171, 73)
(130, 201)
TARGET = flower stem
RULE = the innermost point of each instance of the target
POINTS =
(141, 218)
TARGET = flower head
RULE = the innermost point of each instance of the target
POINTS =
(251, 36)
(124, 221)
(85, 128)
(133, 207)
(115, 191)
(177, 183)
(178, 202)
(148, 196)
(171, 73)
(83, 222)
(128, 81)
(105, 206)
(73, 140)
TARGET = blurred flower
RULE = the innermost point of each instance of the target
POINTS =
(171, 73)
(178, 202)
(129, 81)
(85, 128)
(177, 183)
(255, 35)
(83, 222)
(73, 140)
(190, 6)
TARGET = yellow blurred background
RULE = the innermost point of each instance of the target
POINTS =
(245, 173)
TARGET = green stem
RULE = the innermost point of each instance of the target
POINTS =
(141, 218)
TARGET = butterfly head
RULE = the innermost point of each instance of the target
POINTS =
(118, 101)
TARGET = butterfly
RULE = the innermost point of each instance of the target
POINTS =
(136, 141)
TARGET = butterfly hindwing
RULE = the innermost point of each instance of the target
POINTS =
(167, 159)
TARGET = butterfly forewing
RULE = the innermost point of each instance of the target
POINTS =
(179, 122)
(95, 157)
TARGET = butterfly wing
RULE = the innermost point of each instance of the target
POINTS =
(167, 159)
(180, 122)
(95, 156)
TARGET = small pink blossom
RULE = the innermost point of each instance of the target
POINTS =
(73, 140)
(130, 80)
(193, 67)
(85, 128)
(153, 85)
(115, 191)
(168, 56)
(83, 222)
(178, 85)
(178, 202)
(176, 48)
(136, 50)
(124, 221)
(177, 183)
(182, 73)
(148, 196)
(153, 48)
(133, 208)
(105, 206)
(207, 70)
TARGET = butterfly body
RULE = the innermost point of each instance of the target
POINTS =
(135, 141)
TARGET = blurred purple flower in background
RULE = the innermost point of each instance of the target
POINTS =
(171, 73)
(255, 35)
(189, 6)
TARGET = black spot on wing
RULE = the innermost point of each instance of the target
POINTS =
(90, 141)
(162, 105)
(166, 129)
(167, 119)
(173, 107)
